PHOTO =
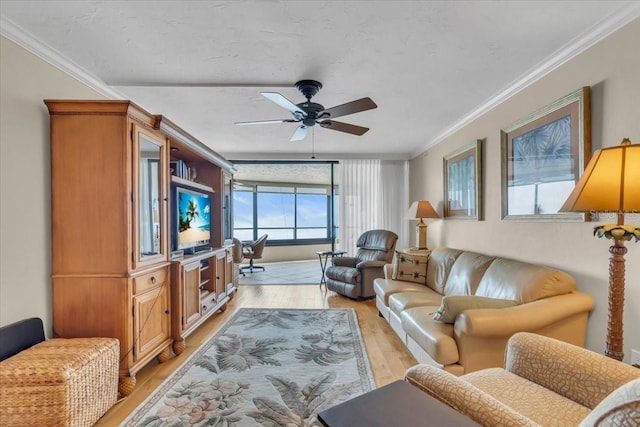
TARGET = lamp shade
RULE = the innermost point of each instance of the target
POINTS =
(421, 209)
(610, 182)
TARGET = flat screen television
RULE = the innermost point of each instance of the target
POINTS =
(192, 218)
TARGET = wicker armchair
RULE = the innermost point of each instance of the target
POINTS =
(55, 382)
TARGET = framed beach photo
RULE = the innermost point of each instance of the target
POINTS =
(543, 156)
(463, 182)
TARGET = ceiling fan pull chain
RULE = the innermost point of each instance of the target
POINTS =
(313, 142)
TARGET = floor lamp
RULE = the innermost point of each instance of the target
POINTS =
(421, 210)
(611, 184)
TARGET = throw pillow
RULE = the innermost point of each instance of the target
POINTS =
(410, 267)
(620, 408)
(453, 305)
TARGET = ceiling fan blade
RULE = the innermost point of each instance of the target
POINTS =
(300, 133)
(343, 127)
(283, 102)
(352, 107)
(266, 122)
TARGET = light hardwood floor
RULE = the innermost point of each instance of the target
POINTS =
(388, 357)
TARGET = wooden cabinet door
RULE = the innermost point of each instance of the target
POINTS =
(151, 321)
(221, 288)
(191, 294)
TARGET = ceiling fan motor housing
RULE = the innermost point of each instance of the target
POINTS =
(312, 109)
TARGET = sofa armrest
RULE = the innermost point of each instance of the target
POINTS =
(20, 336)
(344, 261)
(371, 264)
(531, 316)
(464, 397)
(388, 271)
(482, 334)
(566, 368)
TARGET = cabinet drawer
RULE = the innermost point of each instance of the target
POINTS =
(208, 303)
(149, 280)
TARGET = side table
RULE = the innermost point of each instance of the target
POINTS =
(323, 256)
(395, 404)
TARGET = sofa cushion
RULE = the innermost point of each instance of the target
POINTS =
(466, 273)
(410, 267)
(435, 338)
(386, 287)
(540, 405)
(401, 301)
(453, 305)
(620, 408)
(523, 282)
(440, 262)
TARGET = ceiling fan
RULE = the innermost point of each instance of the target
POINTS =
(309, 113)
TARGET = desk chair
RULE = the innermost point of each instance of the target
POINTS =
(238, 256)
(252, 251)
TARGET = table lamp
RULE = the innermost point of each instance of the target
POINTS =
(421, 210)
(611, 183)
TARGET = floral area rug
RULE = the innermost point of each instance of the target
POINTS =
(265, 367)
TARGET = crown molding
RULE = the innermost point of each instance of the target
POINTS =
(23, 39)
(579, 44)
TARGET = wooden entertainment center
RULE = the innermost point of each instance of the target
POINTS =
(115, 268)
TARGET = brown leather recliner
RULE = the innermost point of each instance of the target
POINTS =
(353, 276)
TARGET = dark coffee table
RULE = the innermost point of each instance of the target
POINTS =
(395, 404)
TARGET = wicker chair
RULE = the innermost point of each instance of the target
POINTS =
(55, 382)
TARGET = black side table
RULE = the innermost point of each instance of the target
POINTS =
(323, 256)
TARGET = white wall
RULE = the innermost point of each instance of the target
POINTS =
(292, 253)
(25, 202)
(612, 69)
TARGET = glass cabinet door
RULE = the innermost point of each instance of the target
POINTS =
(150, 211)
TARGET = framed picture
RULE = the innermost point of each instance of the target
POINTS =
(463, 182)
(543, 156)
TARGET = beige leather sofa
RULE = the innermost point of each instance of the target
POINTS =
(539, 299)
(545, 382)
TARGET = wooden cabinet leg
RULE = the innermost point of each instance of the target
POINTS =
(179, 346)
(223, 308)
(126, 385)
(163, 356)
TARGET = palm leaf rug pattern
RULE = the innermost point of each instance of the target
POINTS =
(265, 367)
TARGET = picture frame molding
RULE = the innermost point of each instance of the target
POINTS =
(474, 147)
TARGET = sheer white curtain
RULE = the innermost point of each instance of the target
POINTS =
(373, 195)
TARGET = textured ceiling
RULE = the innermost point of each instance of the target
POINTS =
(427, 64)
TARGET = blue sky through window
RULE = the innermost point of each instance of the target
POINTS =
(276, 214)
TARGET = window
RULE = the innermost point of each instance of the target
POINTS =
(290, 213)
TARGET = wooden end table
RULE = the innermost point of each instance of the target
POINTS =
(395, 404)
